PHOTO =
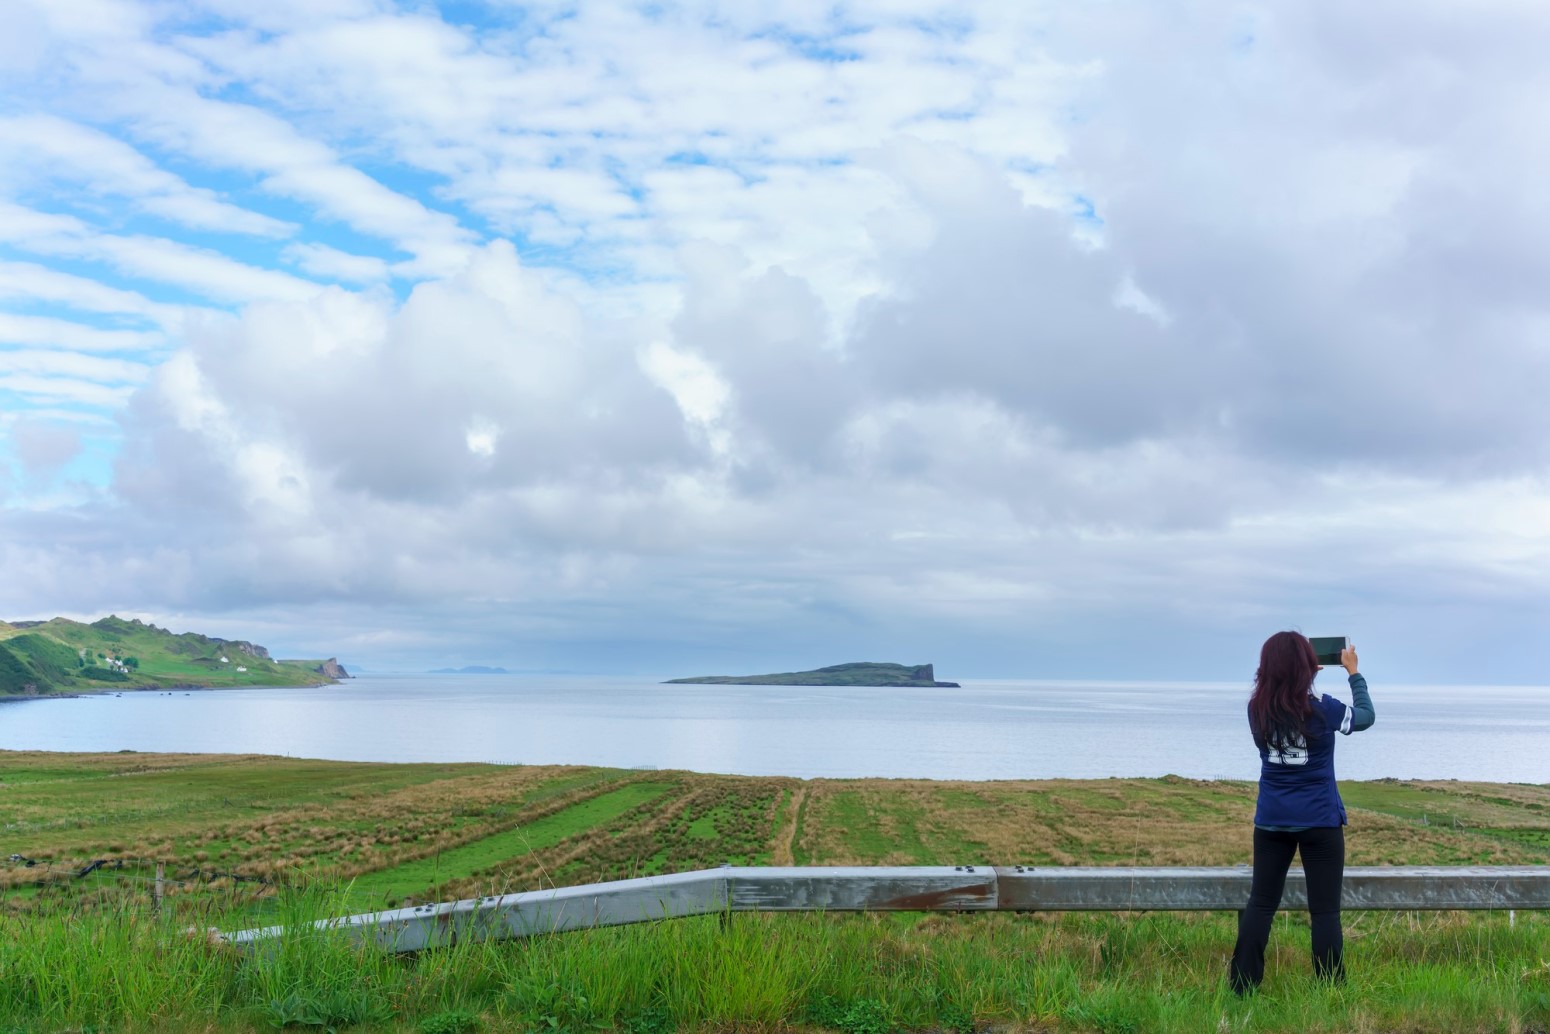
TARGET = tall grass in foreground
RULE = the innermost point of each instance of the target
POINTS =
(130, 970)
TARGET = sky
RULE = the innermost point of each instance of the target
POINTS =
(1030, 339)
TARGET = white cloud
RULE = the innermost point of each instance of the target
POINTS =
(24, 44)
(47, 331)
(207, 272)
(320, 260)
(124, 73)
(37, 151)
(71, 364)
(1051, 321)
(43, 446)
(699, 392)
(395, 402)
(556, 139)
(55, 390)
(30, 282)
(482, 437)
(234, 136)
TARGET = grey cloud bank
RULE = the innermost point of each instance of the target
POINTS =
(913, 404)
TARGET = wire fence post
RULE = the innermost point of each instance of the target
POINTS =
(156, 888)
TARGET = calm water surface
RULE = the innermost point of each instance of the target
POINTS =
(989, 729)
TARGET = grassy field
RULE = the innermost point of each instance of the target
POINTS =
(340, 837)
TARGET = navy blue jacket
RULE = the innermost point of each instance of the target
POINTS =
(1297, 782)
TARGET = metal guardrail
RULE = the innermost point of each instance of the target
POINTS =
(961, 888)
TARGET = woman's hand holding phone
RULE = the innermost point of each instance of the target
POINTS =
(1348, 659)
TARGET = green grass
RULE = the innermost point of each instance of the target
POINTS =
(90, 953)
(377, 889)
(61, 655)
(704, 827)
(880, 831)
(202, 790)
(1469, 804)
(799, 855)
(899, 830)
(854, 974)
(1536, 838)
(565, 784)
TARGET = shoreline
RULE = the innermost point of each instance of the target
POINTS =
(78, 693)
(990, 782)
(887, 782)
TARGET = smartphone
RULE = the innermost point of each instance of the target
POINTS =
(1328, 647)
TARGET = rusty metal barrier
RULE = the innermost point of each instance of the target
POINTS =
(953, 888)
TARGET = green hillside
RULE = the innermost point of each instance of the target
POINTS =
(39, 658)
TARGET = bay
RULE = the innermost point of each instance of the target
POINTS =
(989, 729)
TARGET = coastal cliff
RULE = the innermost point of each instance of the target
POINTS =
(60, 656)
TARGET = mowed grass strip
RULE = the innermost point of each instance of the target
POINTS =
(375, 889)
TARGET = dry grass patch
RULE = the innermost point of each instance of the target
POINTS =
(1169, 821)
(365, 822)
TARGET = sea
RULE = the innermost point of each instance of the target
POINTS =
(988, 729)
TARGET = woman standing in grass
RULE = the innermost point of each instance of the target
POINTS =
(1299, 809)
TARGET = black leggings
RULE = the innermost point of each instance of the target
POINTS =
(1323, 863)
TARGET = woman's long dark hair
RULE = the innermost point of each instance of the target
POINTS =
(1281, 704)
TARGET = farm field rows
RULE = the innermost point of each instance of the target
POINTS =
(412, 833)
(340, 837)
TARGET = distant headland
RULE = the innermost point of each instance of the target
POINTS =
(63, 657)
(856, 673)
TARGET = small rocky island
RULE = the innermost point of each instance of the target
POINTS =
(856, 673)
